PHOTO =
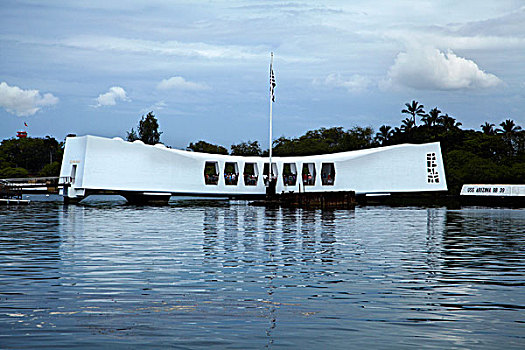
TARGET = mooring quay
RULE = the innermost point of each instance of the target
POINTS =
(11, 190)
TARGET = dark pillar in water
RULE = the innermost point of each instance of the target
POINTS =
(146, 199)
(73, 200)
(270, 190)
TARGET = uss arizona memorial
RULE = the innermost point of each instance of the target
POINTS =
(138, 171)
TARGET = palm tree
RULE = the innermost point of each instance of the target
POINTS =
(432, 117)
(510, 133)
(408, 124)
(384, 134)
(448, 122)
(508, 127)
(488, 128)
(414, 109)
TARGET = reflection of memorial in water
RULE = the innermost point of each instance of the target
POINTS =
(435, 227)
(328, 240)
(290, 232)
(232, 234)
(231, 230)
(210, 230)
(271, 266)
(270, 230)
(231, 275)
(308, 232)
(250, 234)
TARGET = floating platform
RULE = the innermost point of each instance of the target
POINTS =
(310, 200)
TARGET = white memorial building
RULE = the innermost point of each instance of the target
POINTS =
(93, 165)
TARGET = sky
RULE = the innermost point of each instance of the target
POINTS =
(202, 67)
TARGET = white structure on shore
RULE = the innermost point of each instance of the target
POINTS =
(94, 165)
(492, 190)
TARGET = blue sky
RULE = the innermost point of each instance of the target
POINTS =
(202, 66)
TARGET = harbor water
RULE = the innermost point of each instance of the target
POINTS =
(199, 274)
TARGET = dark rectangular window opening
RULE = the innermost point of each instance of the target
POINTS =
(231, 173)
(266, 173)
(251, 174)
(211, 173)
(289, 174)
(327, 174)
(308, 174)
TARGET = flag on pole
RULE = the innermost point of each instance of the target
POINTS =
(272, 83)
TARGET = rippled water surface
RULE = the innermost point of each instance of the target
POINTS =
(219, 274)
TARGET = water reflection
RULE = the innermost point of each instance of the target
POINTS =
(230, 275)
(211, 233)
(481, 246)
(290, 234)
(29, 249)
(328, 240)
(435, 226)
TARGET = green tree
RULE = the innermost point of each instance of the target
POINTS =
(512, 135)
(508, 128)
(462, 167)
(132, 135)
(147, 130)
(432, 117)
(488, 128)
(407, 124)
(414, 109)
(206, 147)
(325, 140)
(30, 154)
(448, 122)
(51, 169)
(384, 134)
(9, 173)
(248, 148)
(357, 138)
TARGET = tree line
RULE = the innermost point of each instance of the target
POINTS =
(492, 154)
(30, 157)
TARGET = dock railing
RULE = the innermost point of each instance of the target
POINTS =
(14, 187)
(31, 181)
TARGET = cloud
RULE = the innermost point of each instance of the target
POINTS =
(356, 83)
(431, 69)
(176, 48)
(24, 102)
(157, 106)
(110, 98)
(453, 39)
(507, 25)
(180, 83)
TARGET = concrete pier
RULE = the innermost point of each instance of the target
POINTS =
(146, 198)
(310, 200)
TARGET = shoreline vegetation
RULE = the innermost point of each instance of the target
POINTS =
(493, 154)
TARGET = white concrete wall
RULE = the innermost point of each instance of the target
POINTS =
(74, 154)
(114, 164)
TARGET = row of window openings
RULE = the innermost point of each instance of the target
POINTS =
(251, 174)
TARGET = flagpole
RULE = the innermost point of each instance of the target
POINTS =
(271, 103)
